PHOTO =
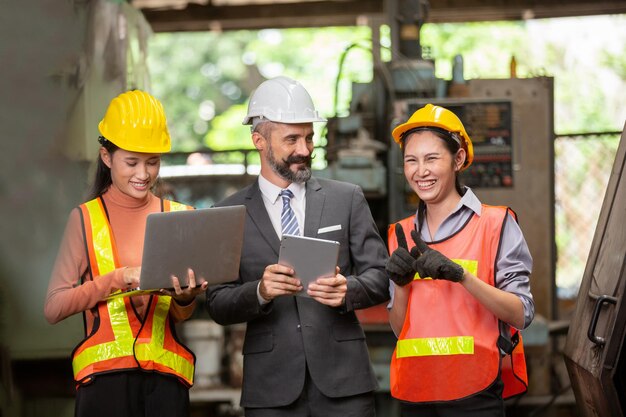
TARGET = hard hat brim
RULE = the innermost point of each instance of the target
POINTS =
(248, 119)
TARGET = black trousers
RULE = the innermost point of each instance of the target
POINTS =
(132, 394)
(313, 403)
(488, 403)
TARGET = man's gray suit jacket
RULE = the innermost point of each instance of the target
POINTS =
(291, 333)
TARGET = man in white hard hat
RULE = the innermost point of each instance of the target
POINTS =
(303, 356)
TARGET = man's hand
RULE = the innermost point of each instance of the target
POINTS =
(400, 265)
(330, 291)
(278, 280)
(187, 295)
(434, 264)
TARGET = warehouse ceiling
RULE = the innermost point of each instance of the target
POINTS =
(203, 15)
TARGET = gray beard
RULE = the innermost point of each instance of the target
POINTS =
(281, 168)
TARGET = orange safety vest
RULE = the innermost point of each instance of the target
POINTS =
(119, 339)
(448, 347)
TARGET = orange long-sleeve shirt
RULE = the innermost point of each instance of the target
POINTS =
(66, 296)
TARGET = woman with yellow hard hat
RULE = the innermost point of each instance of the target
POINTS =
(130, 362)
(460, 286)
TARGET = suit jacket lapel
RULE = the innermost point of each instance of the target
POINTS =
(315, 198)
(258, 213)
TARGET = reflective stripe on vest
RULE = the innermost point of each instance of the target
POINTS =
(152, 355)
(121, 346)
(452, 342)
(104, 256)
(438, 346)
(119, 336)
(435, 346)
(169, 205)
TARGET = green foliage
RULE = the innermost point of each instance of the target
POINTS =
(616, 61)
(197, 75)
(227, 131)
(487, 47)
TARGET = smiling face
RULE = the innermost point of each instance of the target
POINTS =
(430, 167)
(285, 152)
(133, 173)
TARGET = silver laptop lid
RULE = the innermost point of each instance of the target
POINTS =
(209, 241)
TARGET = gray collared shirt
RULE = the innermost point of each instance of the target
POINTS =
(514, 262)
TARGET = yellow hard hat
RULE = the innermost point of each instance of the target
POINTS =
(441, 118)
(135, 121)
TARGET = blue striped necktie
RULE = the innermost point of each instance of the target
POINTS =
(288, 220)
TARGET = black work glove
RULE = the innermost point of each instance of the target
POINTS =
(434, 264)
(400, 264)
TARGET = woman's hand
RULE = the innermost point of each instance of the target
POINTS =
(434, 264)
(399, 266)
(187, 295)
(131, 277)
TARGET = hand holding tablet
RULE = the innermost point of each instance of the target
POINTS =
(310, 258)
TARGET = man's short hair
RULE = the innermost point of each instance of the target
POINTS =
(263, 127)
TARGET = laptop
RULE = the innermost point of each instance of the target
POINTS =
(209, 241)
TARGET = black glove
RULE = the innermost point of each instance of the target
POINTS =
(400, 264)
(434, 264)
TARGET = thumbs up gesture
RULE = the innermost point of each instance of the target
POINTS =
(433, 264)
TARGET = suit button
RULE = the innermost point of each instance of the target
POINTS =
(298, 327)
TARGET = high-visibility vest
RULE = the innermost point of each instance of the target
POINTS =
(449, 348)
(119, 340)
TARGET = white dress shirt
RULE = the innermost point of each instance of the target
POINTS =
(274, 206)
(274, 203)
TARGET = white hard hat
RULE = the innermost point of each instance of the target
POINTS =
(282, 100)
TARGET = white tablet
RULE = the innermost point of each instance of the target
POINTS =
(310, 258)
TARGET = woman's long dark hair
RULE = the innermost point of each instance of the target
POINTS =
(453, 146)
(102, 179)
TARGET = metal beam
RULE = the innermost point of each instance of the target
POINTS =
(442, 11)
(196, 17)
(322, 13)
